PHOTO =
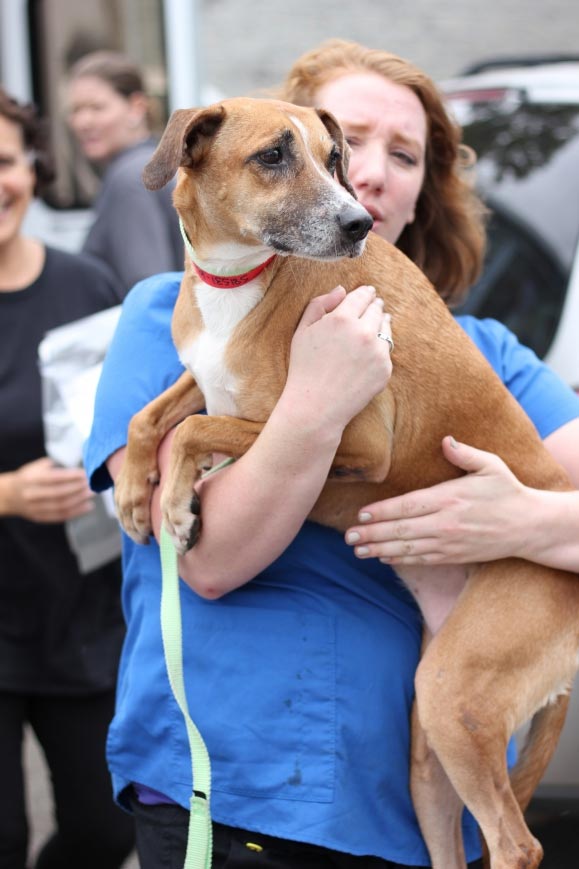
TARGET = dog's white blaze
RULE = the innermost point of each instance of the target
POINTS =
(221, 310)
(339, 192)
(204, 358)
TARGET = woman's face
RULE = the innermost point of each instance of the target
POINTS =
(103, 121)
(17, 180)
(385, 125)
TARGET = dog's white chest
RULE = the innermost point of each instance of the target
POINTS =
(221, 311)
(205, 359)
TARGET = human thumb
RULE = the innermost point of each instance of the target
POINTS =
(321, 305)
(465, 457)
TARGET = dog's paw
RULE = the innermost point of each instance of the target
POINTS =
(133, 504)
(182, 522)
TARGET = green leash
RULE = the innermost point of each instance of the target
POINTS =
(199, 837)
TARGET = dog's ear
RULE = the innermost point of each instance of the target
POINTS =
(337, 134)
(183, 143)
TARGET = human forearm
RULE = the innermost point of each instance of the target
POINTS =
(549, 528)
(253, 509)
(485, 515)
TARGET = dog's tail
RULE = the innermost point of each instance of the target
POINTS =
(538, 749)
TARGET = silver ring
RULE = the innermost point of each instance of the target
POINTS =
(384, 337)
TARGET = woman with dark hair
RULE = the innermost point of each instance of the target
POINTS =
(135, 231)
(60, 631)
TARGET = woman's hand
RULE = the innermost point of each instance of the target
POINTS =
(337, 362)
(43, 492)
(482, 516)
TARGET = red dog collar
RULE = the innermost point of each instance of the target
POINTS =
(222, 282)
(229, 282)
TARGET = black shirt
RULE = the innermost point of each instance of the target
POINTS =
(60, 631)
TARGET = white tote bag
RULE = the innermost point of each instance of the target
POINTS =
(70, 359)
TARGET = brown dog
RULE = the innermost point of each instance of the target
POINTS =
(262, 191)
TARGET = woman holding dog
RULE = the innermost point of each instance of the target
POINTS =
(301, 656)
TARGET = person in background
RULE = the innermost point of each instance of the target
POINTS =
(60, 631)
(135, 231)
(300, 653)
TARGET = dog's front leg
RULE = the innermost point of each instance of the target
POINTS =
(196, 439)
(140, 473)
(365, 451)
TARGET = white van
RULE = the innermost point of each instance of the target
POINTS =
(522, 119)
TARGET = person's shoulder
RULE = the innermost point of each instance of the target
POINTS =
(485, 330)
(155, 295)
(495, 340)
(543, 395)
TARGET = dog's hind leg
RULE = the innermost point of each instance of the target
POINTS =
(438, 808)
(467, 694)
(471, 742)
(437, 805)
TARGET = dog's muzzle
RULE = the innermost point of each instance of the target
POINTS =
(355, 223)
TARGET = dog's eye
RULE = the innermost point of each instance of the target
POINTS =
(271, 157)
(333, 160)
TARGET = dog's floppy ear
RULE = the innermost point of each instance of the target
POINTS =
(337, 134)
(183, 143)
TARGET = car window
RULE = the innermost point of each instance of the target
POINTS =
(527, 172)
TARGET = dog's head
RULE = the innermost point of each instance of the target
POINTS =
(261, 172)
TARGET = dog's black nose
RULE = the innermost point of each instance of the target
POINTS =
(355, 223)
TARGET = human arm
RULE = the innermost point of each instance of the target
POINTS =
(253, 509)
(40, 491)
(485, 515)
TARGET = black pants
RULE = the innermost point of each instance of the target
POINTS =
(92, 832)
(162, 842)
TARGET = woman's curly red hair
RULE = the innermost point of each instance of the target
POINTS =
(447, 238)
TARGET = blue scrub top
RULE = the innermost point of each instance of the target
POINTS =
(301, 681)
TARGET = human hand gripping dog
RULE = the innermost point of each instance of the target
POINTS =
(486, 515)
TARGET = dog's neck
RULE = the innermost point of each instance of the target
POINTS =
(228, 266)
